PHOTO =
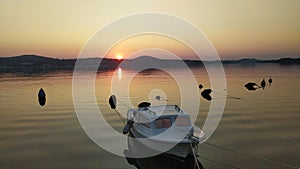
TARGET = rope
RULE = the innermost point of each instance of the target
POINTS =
(232, 97)
(223, 164)
(124, 104)
(121, 117)
(252, 156)
(194, 154)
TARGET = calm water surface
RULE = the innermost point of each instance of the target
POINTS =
(264, 123)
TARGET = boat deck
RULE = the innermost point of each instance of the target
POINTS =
(162, 110)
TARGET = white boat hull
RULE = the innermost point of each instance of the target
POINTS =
(151, 146)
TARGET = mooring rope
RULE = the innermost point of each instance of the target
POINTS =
(119, 114)
(252, 156)
(124, 104)
(222, 164)
(195, 157)
(121, 117)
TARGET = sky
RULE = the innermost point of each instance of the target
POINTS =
(267, 29)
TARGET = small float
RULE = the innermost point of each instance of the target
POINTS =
(42, 97)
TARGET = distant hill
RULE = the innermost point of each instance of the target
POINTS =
(34, 63)
(146, 58)
(283, 61)
(29, 58)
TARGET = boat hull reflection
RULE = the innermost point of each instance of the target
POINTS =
(160, 161)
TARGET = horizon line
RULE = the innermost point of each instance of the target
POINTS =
(186, 59)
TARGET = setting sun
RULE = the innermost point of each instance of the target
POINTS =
(119, 57)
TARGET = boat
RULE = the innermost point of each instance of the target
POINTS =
(161, 129)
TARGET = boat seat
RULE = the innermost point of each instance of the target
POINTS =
(163, 123)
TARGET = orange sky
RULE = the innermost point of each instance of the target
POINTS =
(238, 29)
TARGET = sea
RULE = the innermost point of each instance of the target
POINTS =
(258, 129)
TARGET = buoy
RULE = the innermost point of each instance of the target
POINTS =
(41, 93)
(263, 84)
(200, 86)
(206, 94)
(251, 86)
(158, 97)
(42, 97)
(113, 101)
(270, 81)
(128, 126)
(144, 104)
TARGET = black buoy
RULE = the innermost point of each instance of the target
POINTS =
(270, 81)
(251, 86)
(144, 104)
(200, 86)
(42, 97)
(41, 93)
(128, 126)
(158, 97)
(206, 94)
(112, 101)
(263, 84)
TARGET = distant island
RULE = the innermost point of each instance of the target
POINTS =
(34, 63)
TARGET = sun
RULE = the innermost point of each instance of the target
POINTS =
(119, 57)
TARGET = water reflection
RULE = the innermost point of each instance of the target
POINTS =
(119, 73)
(52, 136)
(161, 161)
